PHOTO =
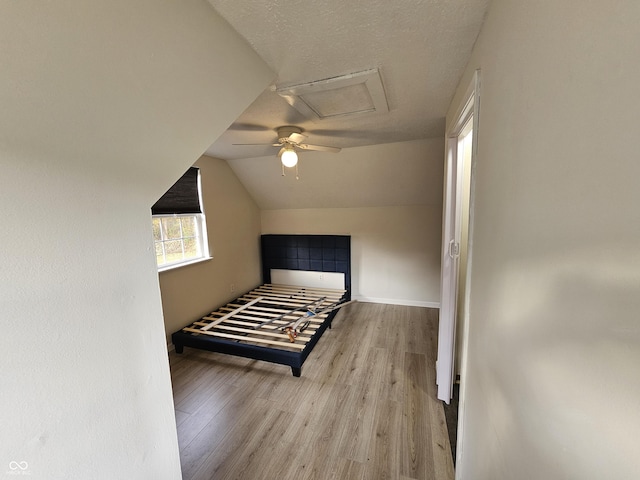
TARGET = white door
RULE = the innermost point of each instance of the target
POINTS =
(459, 141)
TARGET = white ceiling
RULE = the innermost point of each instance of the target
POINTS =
(419, 46)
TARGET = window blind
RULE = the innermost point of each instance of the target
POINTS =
(182, 197)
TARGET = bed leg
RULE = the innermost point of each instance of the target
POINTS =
(297, 371)
(179, 348)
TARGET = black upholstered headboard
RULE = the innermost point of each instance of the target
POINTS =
(321, 253)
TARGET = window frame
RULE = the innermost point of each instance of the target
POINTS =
(200, 237)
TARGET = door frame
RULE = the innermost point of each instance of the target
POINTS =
(452, 199)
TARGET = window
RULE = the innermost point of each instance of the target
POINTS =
(179, 228)
(178, 238)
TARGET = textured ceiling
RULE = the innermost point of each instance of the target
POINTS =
(419, 46)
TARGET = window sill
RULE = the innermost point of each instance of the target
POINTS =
(166, 268)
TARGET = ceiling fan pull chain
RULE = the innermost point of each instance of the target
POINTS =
(297, 176)
(283, 174)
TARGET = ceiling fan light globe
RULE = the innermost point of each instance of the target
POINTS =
(289, 158)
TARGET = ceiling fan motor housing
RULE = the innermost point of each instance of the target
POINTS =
(285, 132)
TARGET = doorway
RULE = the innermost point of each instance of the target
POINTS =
(461, 141)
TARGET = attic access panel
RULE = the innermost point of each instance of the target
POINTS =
(355, 93)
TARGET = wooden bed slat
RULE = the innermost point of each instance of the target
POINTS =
(294, 302)
(293, 288)
(261, 312)
(285, 306)
(245, 339)
(290, 298)
(230, 314)
(290, 302)
(264, 333)
(310, 330)
(317, 320)
(253, 321)
(295, 293)
(298, 297)
(272, 312)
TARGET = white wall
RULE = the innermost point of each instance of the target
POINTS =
(233, 226)
(395, 251)
(390, 202)
(104, 105)
(551, 385)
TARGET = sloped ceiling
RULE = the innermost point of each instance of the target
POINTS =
(419, 46)
(393, 174)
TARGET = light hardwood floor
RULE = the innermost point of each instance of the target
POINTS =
(364, 408)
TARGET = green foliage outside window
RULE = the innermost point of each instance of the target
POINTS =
(176, 239)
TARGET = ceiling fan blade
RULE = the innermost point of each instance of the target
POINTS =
(319, 148)
(248, 127)
(296, 137)
(259, 144)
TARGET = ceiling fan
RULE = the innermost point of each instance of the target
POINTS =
(290, 138)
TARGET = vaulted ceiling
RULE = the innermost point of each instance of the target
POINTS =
(419, 47)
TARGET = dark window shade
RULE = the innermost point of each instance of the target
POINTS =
(182, 197)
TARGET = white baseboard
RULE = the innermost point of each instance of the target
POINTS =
(171, 347)
(395, 301)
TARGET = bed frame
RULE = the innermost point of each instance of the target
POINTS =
(251, 326)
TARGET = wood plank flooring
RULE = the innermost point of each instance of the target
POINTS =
(364, 408)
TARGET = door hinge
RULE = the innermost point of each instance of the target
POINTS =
(454, 249)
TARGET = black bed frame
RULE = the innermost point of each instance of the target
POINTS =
(324, 253)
